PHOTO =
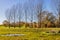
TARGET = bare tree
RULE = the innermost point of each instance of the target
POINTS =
(6, 23)
(56, 6)
(25, 11)
(10, 15)
(14, 14)
(59, 10)
(31, 14)
(50, 18)
(39, 11)
(19, 12)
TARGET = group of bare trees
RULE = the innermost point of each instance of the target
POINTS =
(56, 7)
(25, 14)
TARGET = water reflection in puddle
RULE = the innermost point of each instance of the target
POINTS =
(12, 34)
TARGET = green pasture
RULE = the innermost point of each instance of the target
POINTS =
(30, 33)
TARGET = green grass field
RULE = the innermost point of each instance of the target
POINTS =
(30, 34)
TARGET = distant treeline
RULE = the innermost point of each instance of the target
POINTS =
(19, 15)
(48, 20)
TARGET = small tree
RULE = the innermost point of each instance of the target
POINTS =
(6, 23)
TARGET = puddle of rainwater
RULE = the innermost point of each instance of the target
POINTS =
(12, 35)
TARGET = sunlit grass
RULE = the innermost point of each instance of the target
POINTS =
(30, 33)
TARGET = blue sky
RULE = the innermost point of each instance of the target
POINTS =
(5, 4)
